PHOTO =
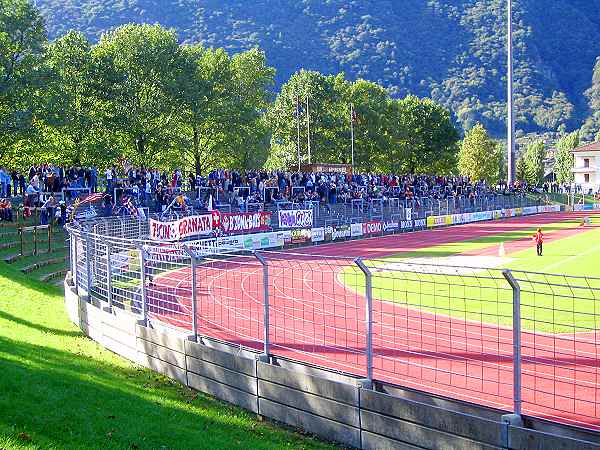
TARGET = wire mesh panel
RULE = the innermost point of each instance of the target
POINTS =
(167, 279)
(230, 298)
(317, 310)
(443, 329)
(560, 318)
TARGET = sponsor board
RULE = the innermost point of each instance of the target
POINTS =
(334, 233)
(373, 227)
(244, 222)
(438, 221)
(182, 228)
(393, 225)
(318, 234)
(407, 225)
(497, 214)
(301, 236)
(296, 218)
(549, 208)
(528, 210)
(419, 224)
(408, 213)
(356, 229)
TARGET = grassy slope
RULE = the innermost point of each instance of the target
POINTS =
(487, 297)
(60, 390)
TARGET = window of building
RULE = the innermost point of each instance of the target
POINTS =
(586, 162)
(587, 177)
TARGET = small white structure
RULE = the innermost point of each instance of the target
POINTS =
(587, 167)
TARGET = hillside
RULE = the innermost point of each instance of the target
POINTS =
(452, 50)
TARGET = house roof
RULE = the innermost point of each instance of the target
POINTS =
(595, 147)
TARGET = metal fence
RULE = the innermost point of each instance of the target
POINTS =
(518, 341)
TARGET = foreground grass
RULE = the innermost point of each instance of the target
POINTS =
(60, 390)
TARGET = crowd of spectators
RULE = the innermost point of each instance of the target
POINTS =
(51, 188)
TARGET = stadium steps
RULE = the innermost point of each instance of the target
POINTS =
(46, 262)
(54, 277)
(10, 259)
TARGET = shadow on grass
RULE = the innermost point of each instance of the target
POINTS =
(60, 399)
(37, 326)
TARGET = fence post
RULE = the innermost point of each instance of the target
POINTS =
(35, 240)
(88, 267)
(74, 267)
(265, 267)
(108, 275)
(143, 291)
(21, 240)
(49, 238)
(194, 265)
(517, 392)
(368, 317)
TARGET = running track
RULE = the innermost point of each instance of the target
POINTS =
(316, 319)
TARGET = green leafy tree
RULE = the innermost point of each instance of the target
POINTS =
(71, 102)
(565, 160)
(136, 68)
(480, 156)
(423, 138)
(521, 169)
(534, 163)
(22, 41)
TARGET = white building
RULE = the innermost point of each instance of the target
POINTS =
(587, 167)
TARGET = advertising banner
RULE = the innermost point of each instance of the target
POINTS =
(407, 225)
(245, 222)
(408, 213)
(356, 229)
(301, 236)
(419, 224)
(318, 234)
(296, 218)
(528, 210)
(373, 227)
(181, 228)
(335, 233)
(392, 225)
(549, 208)
(438, 221)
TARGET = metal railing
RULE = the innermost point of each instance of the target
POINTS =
(518, 341)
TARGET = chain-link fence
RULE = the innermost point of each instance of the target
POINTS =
(518, 341)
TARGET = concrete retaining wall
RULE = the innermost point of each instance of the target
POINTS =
(333, 406)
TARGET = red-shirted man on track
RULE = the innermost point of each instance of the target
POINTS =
(538, 237)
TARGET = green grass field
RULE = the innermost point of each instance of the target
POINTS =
(60, 390)
(552, 304)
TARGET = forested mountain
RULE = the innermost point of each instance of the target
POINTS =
(450, 50)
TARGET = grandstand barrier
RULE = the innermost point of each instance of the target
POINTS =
(334, 406)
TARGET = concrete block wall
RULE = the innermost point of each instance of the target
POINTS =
(333, 406)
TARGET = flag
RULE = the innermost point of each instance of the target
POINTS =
(127, 203)
(210, 203)
(72, 209)
(353, 115)
(298, 111)
(92, 198)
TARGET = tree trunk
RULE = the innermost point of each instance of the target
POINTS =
(141, 148)
(197, 162)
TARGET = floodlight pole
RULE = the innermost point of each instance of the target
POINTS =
(511, 116)
(308, 127)
(352, 133)
(298, 130)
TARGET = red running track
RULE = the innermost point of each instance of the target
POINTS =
(316, 319)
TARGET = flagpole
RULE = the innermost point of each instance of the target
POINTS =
(511, 117)
(298, 129)
(352, 133)
(308, 128)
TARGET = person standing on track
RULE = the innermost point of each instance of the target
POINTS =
(538, 237)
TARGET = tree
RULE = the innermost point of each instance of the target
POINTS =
(223, 99)
(423, 138)
(565, 160)
(534, 163)
(591, 127)
(136, 68)
(521, 170)
(71, 101)
(480, 156)
(22, 40)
